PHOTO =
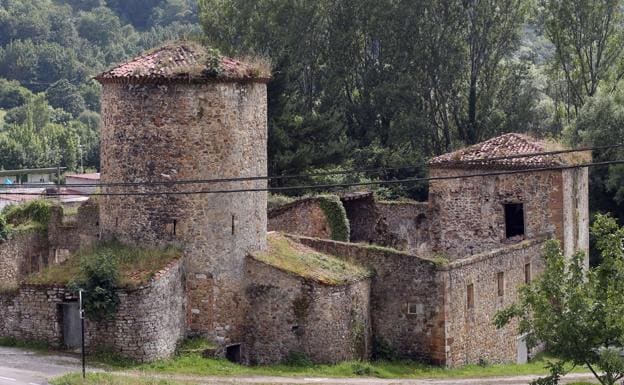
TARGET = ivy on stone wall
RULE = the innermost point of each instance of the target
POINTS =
(4, 228)
(34, 213)
(336, 216)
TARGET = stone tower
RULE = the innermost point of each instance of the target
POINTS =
(477, 214)
(183, 113)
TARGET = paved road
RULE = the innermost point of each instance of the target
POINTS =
(22, 367)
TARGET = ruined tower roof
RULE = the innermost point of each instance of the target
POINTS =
(186, 61)
(487, 154)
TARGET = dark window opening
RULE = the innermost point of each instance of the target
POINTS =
(233, 353)
(233, 224)
(175, 226)
(500, 278)
(527, 273)
(116, 222)
(470, 296)
(514, 219)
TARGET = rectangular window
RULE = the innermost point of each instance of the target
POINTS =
(414, 308)
(470, 296)
(500, 278)
(527, 273)
(514, 220)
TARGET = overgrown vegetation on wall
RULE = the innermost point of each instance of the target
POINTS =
(336, 216)
(135, 265)
(99, 277)
(32, 215)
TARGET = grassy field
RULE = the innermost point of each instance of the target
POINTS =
(190, 362)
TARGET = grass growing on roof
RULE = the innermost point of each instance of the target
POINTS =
(287, 255)
(136, 265)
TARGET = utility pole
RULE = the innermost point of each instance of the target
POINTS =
(82, 334)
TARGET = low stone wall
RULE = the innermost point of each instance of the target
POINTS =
(289, 314)
(407, 299)
(147, 326)
(23, 253)
(303, 217)
(471, 336)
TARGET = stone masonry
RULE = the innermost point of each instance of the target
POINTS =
(160, 126)
(147, 326)
(289, 314)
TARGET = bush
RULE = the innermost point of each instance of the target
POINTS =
(297, 359)
(99, 278)
(38, 211)
(4, 228)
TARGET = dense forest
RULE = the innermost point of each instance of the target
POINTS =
(357, 83)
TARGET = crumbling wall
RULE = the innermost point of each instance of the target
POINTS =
(67, 235)
(471, 335)
(303, 217)
(404, 225)
(147, 326)
(290, 315)
(25, 252)
(407, 299)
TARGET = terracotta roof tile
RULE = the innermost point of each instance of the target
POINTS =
(185, 61)
(511, 144)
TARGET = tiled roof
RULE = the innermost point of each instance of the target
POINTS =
(481, 154)
(185, 61)
(91, 176)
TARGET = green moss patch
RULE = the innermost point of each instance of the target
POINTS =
(136, 265)
(287, 255)
(336, 216)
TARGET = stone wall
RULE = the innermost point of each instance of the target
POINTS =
(303, 217)
(407, 299)
(69, 234)
(468, 216)
(471, 336)
(576, 212)
(148, 325)
(289, 314)
(405, 225)
(400, 225)
(25, 252)
(189, 131)
(362, 213)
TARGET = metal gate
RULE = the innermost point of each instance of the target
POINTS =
(71, 325)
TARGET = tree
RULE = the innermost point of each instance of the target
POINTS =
(601, 120)
(588, 37)
(65, 95)
(578, 313)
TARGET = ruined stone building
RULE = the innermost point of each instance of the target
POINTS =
(410, 280)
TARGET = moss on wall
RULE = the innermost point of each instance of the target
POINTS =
(336, 216)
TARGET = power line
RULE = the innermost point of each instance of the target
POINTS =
(328, 173)
(341, 185)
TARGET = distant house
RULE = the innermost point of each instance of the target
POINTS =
(29, 176)
(83, 183)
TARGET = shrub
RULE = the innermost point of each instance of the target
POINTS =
(38, 211)
(297, 359)
(99, 277)
(4, 228)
